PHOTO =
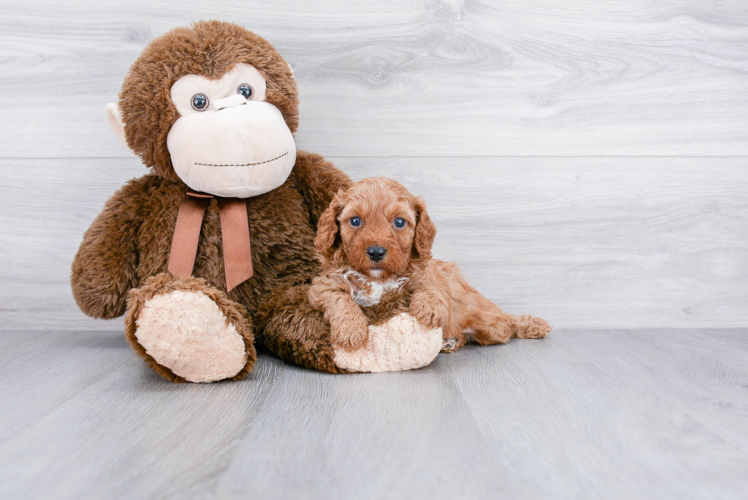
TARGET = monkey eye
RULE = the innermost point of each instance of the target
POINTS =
(400, 222)
(245, 90)
(355, 221)
(200, 102)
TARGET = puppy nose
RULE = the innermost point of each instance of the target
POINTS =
(376, 253)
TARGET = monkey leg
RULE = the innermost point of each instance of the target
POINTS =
(189, 331)
(294, 331)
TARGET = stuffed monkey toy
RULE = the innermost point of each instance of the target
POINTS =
(213, 250)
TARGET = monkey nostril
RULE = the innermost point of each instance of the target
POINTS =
(376, 253)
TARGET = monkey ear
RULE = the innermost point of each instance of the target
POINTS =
(425, 231)
(114, 117)
(327, 228)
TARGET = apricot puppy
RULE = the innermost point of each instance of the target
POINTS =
(374, 241)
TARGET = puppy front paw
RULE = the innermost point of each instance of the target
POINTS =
(430, 311)
(350, 335)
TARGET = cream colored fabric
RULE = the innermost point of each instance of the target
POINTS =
(400, 344)
(189, 85)
(240, 151)
(235, 147)
(227, 102)
(187, 333)
(114, 119)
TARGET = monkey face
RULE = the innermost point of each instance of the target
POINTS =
(212, 105)
(228, 141)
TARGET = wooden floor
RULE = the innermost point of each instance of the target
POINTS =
(581, 414)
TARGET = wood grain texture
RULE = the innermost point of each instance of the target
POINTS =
(583, 162)
(412, 78)
(582, 242)
(581, 414)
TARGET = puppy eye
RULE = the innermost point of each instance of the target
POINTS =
(400, 223)
(354, 221)
(200, 102)
(245, 90)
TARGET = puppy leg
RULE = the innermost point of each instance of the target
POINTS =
(349, 328)
(430, 303)
(294, 331)
(486, 323)
(530, 327)
(490, 325)
(480, 320)
(473, 317)
(429, 308)
(452, 343)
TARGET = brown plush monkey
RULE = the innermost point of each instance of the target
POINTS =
(214, 247)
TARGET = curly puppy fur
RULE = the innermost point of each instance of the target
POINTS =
(358, 288)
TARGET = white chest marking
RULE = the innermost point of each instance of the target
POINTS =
(367, 293)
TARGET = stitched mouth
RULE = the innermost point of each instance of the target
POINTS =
(241, 164)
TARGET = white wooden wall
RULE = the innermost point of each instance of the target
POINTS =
(584, 161)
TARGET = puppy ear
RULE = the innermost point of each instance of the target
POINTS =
(425, 231)
(327, 227)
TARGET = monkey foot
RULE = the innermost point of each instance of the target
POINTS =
(399, 344)
(185, 332)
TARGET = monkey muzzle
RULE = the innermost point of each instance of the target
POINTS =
(239, 149)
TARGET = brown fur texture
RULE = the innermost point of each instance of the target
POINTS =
(207, 48)
(296, 332)
(407, 278)
(131, 239)
(129, 242)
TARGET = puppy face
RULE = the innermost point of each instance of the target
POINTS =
(376, 227)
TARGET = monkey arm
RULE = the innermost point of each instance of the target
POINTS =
(105, 267)
(317, 180)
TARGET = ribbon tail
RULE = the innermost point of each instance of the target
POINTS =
(186, 236)
(237, 253)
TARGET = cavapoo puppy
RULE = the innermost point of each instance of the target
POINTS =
(374, 241)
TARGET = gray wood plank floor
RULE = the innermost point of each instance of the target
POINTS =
(581, 414)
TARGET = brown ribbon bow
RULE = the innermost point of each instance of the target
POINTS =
(237, 255)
